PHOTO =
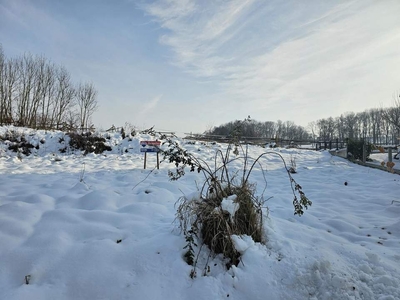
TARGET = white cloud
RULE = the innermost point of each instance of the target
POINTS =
(150, 105)
(197, 31)
(336, 56)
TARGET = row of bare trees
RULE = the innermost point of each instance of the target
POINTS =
(255, 129)
(378, 126)
(39, 94)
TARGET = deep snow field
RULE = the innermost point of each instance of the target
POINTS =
(101, 227)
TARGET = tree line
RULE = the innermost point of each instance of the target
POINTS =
(37, 93)
(377, 126)
(255, 129)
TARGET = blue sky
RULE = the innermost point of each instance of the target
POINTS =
(186, 65)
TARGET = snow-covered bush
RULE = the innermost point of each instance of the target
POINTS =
(88, 142)
(17, 142)
(213, 220)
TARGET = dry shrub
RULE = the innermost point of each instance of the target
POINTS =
(216, 231)
(248, 218)
(88, 143)
(17, 143)
(217, 225)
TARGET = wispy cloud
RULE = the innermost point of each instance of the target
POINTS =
(196, 31)
(150, 105)
(338, 54)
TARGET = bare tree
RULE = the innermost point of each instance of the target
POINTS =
(269, 129)
(392, 114)
(279, 129)
(87, 103)
(351, 124)
(48, 96)
(312, 126)
(322, 130)
(375, 124)
(12, 79)
(64, 96)
(364, 124)
(37, 93)
(26, 84)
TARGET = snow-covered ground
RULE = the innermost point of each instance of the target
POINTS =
(101, 227)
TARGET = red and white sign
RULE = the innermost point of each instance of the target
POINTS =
(150, 146)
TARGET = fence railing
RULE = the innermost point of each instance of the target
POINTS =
(313, 144)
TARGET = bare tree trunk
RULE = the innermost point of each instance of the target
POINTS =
(65, 96)
(12, 76)
(47, 97)
(37, 91)
(87, 103)
(392, 114)
(26, 86)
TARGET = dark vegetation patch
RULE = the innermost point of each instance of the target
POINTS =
(88, 142)
(17, 142)
(355, 149)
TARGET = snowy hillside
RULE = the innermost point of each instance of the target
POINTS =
(98, 226)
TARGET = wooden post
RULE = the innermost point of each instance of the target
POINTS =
(145, 158)
(390, 154)
(158, 162)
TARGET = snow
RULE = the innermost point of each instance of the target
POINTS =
(101, 227)
(228, 204)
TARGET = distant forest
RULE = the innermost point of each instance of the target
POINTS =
(377, 126)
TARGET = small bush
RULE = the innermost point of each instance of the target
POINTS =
(23, 147)
(17, 143)
(355, 149)
(88, 143)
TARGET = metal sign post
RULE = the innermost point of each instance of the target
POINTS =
(150, 146)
